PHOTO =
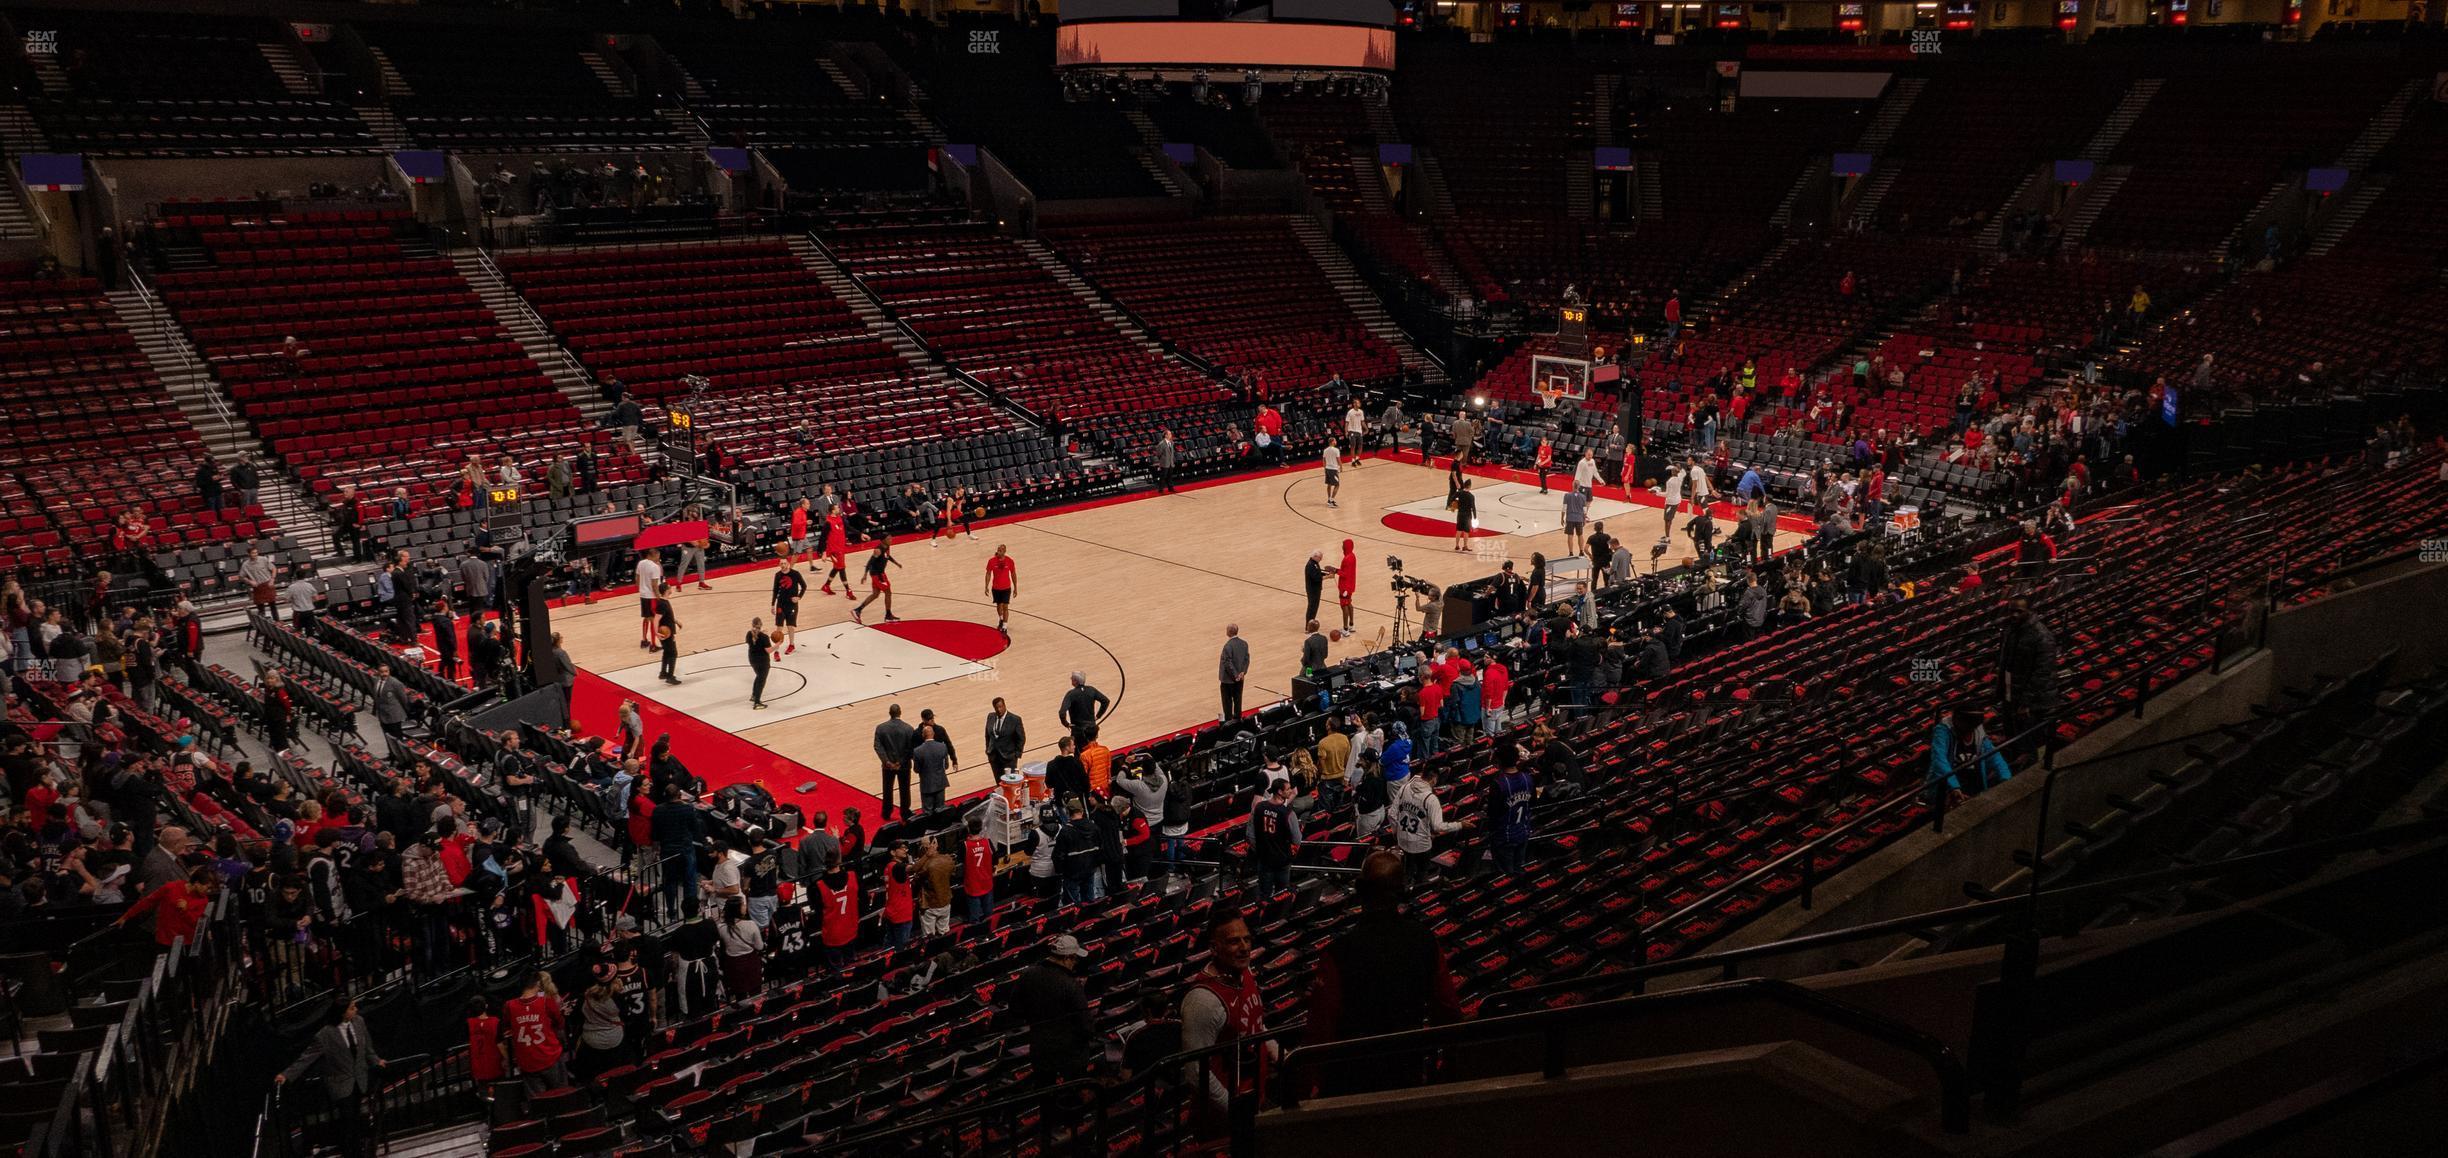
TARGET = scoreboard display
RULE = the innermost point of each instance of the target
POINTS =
(1314, 35)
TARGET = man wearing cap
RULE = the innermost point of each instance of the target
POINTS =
(1046, 999)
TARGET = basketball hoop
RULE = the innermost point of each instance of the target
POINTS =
(1549, 395)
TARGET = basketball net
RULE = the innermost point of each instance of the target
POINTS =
(1550, 395)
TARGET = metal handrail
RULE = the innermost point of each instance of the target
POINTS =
(158, 313)
(527, 313)
(1954, 1080)
(1726, 961)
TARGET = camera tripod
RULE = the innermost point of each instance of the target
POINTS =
(1402, 614)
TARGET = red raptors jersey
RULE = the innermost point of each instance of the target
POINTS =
(1244, 1016)
(841, 915)
(977, 867)
(535, 1032)
(899, 908)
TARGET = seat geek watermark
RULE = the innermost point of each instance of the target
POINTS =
(1925, 42)
(42, 42)
(985, 42)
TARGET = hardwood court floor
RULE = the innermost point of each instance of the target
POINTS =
(1135, 594)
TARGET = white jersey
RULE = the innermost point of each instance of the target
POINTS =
(1419, 817)
(1585, 473)
(1333, 458)
(1698, 486)
(1355, 421)
(1674, 488)
(649, 576)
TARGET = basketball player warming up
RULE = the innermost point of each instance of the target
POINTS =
(788, 586)
(1002, 583)
(879, 584)
(837, 551)
(1347, 583)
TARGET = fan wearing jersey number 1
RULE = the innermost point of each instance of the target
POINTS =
(1002, 586)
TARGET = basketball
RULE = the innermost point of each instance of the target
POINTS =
(1334, 635)
(775, 635)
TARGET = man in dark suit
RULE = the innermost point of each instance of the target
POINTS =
(342, 1057)
(1006, 738)
(893, 740)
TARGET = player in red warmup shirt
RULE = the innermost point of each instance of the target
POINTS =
(837, 552)
(535, 1036)
(1002, 582)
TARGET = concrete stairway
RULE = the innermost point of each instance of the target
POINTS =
(1362, 301)
(689, 88)
(1650, 184)
(1874, 190)
(1891, 112)
(2104, 185)
(613, 81)
(19, 133)
(465, 1140)
(1580, 199)
(15, 223)
(1993, 234)
(1431, 175)
(1151, 156)
(2383, 126)
(293, 73)
(2342, 219)
(226, 436)
(1380, 117)
(184, 373)
(1096, 300)
(386, 128)
(924, 126)
(691, 129)
(1368, 180)
(46, 68)
(864, 305)
(524, 324)
(1602, 108)
(2121, 119)
(848, 84)
(1792, 201)
(395, 86)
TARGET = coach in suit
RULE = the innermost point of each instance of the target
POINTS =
(1006, 738)
(1232, 669)
(893, 740)
(342, 1057)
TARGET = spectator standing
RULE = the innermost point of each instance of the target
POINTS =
(1222, 1007)
(1419, 818)
(1082, 706)
(1232, 671)
(1385, 974)
(933, 872)
(1047, 1002)
(343, 1059)
(893, 740)
(536, 1026)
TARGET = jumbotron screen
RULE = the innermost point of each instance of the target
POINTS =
(1313, 34)
(1224, 44)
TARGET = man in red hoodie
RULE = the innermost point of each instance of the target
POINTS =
(177, 907)
(1494, 681)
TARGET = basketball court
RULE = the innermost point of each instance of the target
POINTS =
(1134, 593)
